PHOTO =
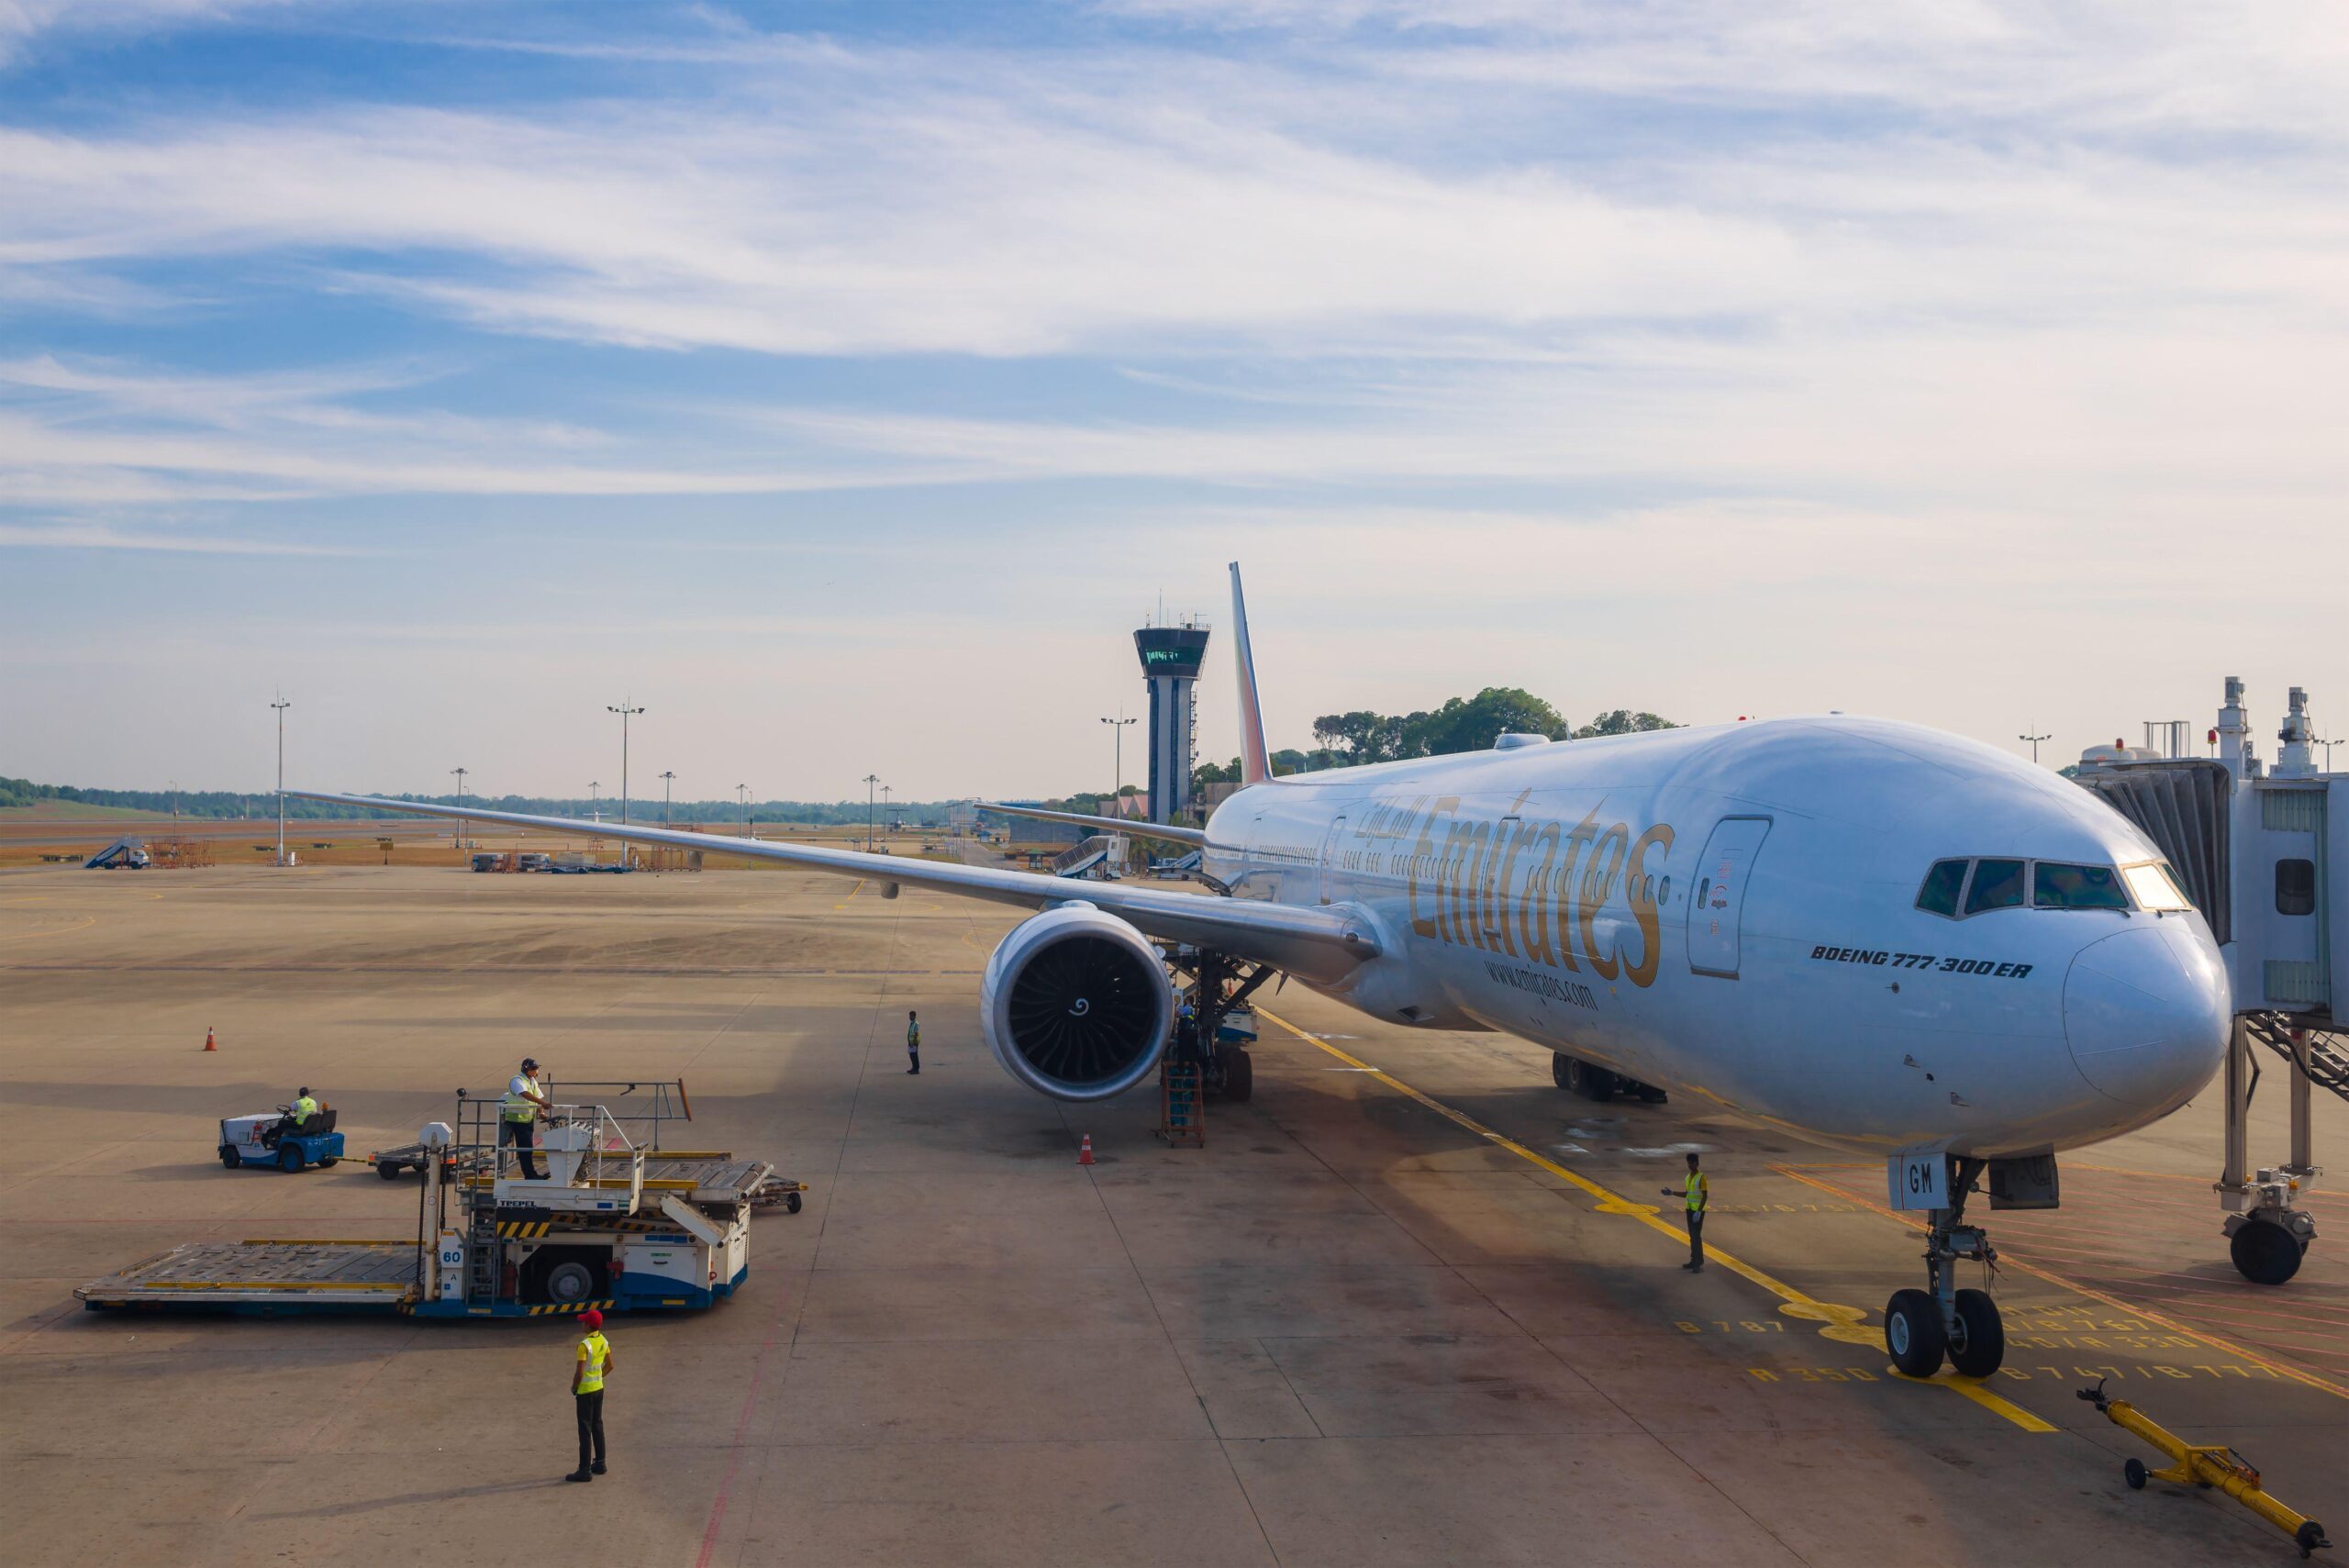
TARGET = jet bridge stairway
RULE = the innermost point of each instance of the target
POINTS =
(2322, 1055)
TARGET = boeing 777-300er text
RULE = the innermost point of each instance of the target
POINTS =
(1881, 937)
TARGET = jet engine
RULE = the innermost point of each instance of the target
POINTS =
(1076, 1005)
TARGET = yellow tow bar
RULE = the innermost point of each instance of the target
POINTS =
(2194, 1463)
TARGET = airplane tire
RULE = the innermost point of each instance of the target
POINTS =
(1913, 1335)
(1979, 1346)
(1590, 1083)
(1561, 1070)
(1239, 1075)
(2265, 1253)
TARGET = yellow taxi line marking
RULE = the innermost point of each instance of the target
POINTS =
(2132, 1308)
(86, 922)
(1972, 1389)
(1841, 1322)
(851, 894)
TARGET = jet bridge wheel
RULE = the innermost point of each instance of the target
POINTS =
(2265, 1254)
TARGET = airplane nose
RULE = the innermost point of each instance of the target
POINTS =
(2146, 1013)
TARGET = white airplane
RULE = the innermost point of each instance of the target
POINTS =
(1880, 938)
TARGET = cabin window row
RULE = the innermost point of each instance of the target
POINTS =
(1957, 888)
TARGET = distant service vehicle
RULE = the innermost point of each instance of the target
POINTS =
(123, 854)
(1880, 938)
(317, 1144)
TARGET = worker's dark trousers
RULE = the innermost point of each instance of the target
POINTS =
(519, 1133)
(913, 1058)
(590, 1426)
(1697, 1236)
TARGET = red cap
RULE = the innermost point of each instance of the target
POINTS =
(592, 1319)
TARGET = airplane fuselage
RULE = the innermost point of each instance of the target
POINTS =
(1733, 913)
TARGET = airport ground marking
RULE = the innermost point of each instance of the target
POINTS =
(86, 922)
(2061, 1282)
(1843, 1324)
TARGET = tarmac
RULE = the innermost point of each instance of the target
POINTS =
(1410, 1305)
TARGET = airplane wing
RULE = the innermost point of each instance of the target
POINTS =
(1106, 824)
(1317, 944)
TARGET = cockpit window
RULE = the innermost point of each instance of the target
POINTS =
(2054, 886)
(1942, 885)
(2155, 887)
(1998, 885)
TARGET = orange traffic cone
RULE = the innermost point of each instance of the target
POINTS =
(1084, 1150)
(207, 1039)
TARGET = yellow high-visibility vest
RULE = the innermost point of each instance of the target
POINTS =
(1699, 1190)
(303, 1109)
(592, 1351)
(520, 1106)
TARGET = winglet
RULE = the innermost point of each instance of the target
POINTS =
(1256, 762)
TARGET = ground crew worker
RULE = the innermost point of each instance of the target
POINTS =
(1695, 1193)
(590, 1366)
(292, 1119)
(525, 1098)
(913, 1042)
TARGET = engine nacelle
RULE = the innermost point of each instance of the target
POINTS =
(1076, 1005)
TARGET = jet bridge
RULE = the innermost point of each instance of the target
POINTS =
(2262, 852)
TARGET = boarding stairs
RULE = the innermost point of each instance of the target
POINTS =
(1095, 859)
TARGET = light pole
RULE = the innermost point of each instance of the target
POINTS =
(665, 778)
(742, 793)
(281, 704)
(624, 711)
(594, 802)
(175, 800)
(2034, 741)
(1118, 728)
(885, 800)
(869, 780)
(461, 806)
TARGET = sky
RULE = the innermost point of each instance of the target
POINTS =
(843, 383)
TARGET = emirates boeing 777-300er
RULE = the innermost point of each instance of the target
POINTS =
(1881, 937)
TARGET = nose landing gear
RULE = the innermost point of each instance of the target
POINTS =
(1922, 1326)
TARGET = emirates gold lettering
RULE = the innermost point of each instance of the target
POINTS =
(1640, 891)
(1598, 882)
(1533, 913)
(1577, 841)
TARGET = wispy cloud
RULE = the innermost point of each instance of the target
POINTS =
(99, 536)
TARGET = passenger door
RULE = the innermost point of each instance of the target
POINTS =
(1328, 870)
(1718, 901)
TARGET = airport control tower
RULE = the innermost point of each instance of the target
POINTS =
(1170, 664)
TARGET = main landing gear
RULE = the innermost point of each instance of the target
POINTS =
(1219, 985)
(1921, 1327)
(1579, 1077)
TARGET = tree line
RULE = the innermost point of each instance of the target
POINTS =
(220, 803)
(1461, 724)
